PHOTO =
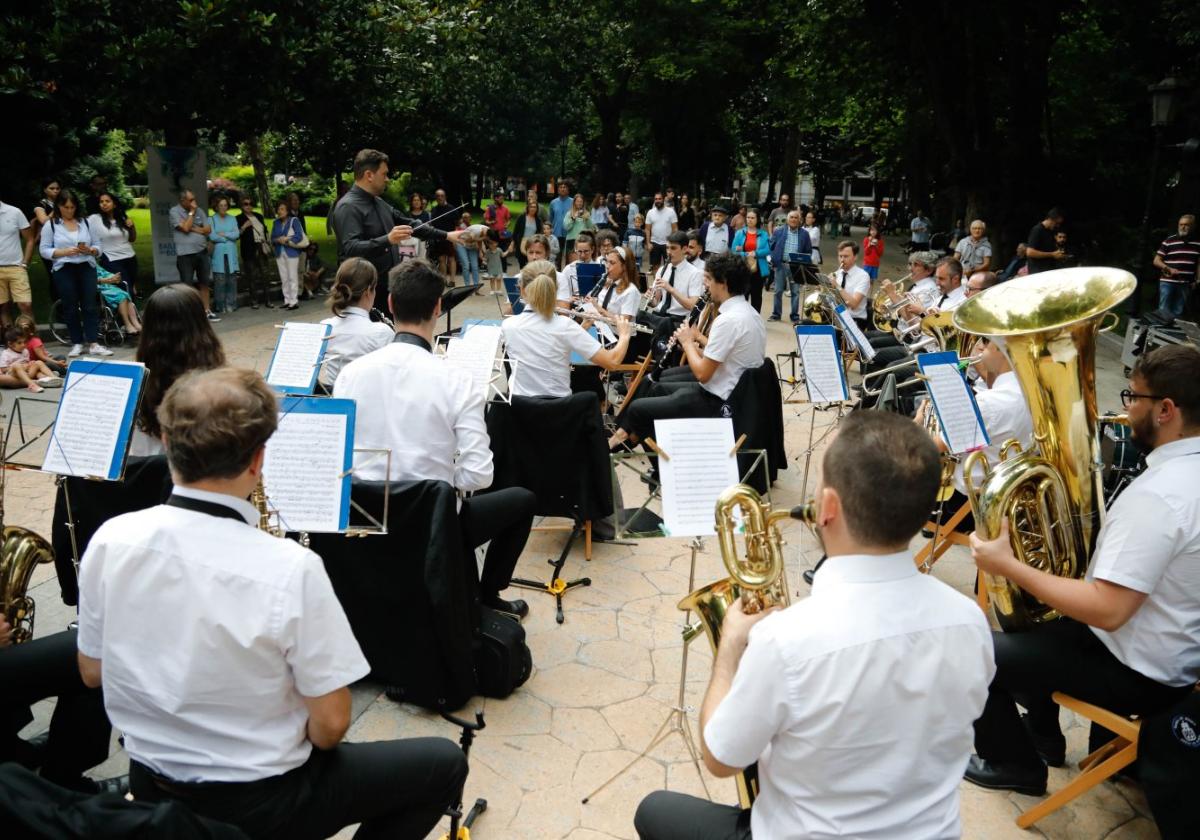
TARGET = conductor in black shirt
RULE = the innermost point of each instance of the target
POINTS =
(369, 227)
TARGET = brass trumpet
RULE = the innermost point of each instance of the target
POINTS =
(886, 310)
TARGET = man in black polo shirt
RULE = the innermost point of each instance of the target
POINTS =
(1042, 252)
(1176, 259)
(369, 227)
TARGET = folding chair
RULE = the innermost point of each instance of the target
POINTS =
(1100, 765)
(943, 537)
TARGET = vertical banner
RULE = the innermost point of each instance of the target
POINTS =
(170, 170)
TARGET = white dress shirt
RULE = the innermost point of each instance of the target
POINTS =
(1005, 415)
(855, 281)
(1150, 542)
(56, 235)
(688, 279)
(568, 280)
(738, 340)
(542, 349)
(429, 414)
(350, 337)
(628, 302)
(211, 633)
(949, 301)
(925, 287)
(114, 241)
(858, 703)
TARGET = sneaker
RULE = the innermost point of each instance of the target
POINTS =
(98, 350)
(213, 317)
(50, 382)
(76, 349)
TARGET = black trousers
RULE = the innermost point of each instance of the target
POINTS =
(79, 727)
(504, 517)
(666, 815)
(396, 789)
(1064, 656)
(668, 400)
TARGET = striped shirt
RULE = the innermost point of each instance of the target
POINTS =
(1180, 254)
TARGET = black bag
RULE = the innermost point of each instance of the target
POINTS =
(502, 659)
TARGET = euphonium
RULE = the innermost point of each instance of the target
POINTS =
(1053, 498)
(20, 551)
(758, 579)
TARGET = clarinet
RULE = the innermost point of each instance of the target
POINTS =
(692, 319)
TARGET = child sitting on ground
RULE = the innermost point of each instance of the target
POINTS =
(36, 348)
(119, 299)
(15, 361)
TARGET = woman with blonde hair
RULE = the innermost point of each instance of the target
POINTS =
(541, 341)
(352, 332)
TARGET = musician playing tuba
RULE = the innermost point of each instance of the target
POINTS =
(857, 702)
(1130, 639)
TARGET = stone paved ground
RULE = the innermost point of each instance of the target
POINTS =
(605, 680)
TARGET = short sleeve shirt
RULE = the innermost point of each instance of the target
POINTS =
(1041, 239)
(972, 254)
(542, 349)
(12, 222)
(1176, 252)
(738, 341)
(660, 222)
(187, 243)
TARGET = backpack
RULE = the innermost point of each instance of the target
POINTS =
(502, 659)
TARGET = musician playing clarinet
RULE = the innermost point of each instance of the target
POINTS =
(737, 342)
(856, 703)
(224, 655)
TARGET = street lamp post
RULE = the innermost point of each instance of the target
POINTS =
(1162, 114)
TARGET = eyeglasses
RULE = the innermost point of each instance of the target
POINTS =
(1128, 396)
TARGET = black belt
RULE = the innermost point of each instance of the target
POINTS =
(201, 506)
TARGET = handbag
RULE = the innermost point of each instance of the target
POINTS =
(303, 243)
(502, 659)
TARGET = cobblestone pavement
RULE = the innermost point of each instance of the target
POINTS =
(605, 680)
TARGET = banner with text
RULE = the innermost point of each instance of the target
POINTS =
(170, 170)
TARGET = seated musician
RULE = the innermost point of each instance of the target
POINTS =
(921, 265)
(1130, 639)
(854, 283)
(678, 285)
(541, 341)
(352, 332)
(1005, 415)
(224, 654)
(621, 296)
(736, 344)
(79, 732)
(856, 702)
(606, 241)
(568, 278)
(431, 417)
(695, 249)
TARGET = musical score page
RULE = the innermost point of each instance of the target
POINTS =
(305, 462)
(297, 357)
(954, 401)
(476, 353)
(94, 420)
(860, 340)
(824, 376)
(698, 470)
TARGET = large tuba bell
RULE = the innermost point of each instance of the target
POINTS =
(20, 551)
(758, 579)
(1053, 497)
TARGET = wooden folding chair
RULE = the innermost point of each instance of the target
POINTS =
(943, 537)
(1100, 765)
(639, 370)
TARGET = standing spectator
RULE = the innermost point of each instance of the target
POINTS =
(287, 236)
(716, 236)
(528, 224)
(497, 215)
(872, 246)
(814, 235)
(1016, 266)
(920, 231)
(293, 200)
(974, 251)
(44, 209)
(601, 216)
(1041, 251)
(635, 238)
(633, 210)
(958, 234)
(578, 220)
(315, 271)
(551, 242)
(671, 201)
(753, 244)
(620, 214)
(190, 232)
(418, 216)
(443, 218)
(226, 270)
(790, 246)
(468, 254)
(16, 247)
(739, 218)
(779, 214)
(1176, 259)
(660, 223)
(687, 213)
(96, 185)
(71, 248)
(116, 233)
(559, 208)
(254, 250)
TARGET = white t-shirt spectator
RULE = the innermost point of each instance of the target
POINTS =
(12, 222)
(114, 241)
(661, 223)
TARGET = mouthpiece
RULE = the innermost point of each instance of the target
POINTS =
(806, 512)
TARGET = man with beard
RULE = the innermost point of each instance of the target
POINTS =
(661, 222)
(1129, 640)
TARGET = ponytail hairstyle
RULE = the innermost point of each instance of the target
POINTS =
(539, 287)
(631, 273)
(355, 277)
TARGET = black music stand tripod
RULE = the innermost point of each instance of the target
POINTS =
(463, 831)
(556, 586)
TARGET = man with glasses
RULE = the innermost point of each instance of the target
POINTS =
(1130, 637)
(1176, 259)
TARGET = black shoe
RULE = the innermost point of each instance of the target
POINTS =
(517, 608)
(603, 531)
(29, 752)
(1052, 749)
(773, 318)
(1030, 781)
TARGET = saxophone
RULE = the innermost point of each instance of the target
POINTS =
(20, 551)
(758, 579)
(268, 519)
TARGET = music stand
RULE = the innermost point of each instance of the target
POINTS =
(452, 298)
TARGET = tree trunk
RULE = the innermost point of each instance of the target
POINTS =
(791, 160)
(260, 173)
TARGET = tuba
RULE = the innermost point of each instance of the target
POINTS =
(758, 579)
(20, 551)
(1053, 498)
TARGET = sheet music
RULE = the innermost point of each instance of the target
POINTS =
(954, 401)
(699, 469)
(860, 341)
(88, 427)
(604, 331)
(823, 373)
(476, 354)
(302, 473)
(297, 356)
